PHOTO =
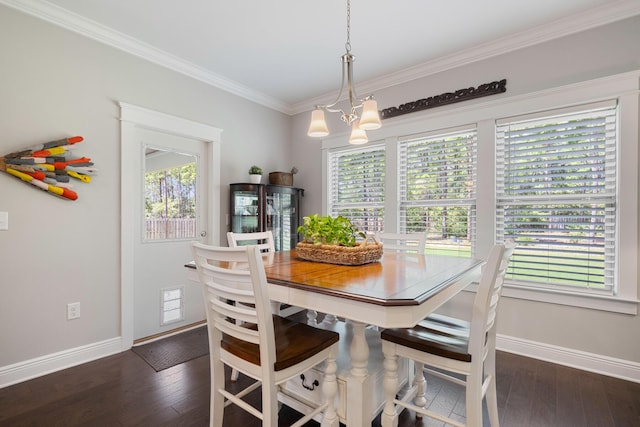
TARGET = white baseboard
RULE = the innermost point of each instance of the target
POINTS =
(618, 368)
(605, 365)
(22, 371)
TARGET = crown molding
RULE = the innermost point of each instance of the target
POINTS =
(580, 22)
(73, 22)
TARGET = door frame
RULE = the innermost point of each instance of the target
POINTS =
(133, 117)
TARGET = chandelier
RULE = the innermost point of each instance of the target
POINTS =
(369, 118)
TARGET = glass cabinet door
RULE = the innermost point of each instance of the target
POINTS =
(245, 208)
(283, 205)
(279, 211)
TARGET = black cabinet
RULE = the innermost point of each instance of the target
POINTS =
(262, 207)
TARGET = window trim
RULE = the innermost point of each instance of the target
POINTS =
(484, 113)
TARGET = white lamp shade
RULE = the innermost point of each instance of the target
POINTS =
(318, 126)
(370, 119)
(358, 135)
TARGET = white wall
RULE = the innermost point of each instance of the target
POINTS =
(600, 52)
(55, 84)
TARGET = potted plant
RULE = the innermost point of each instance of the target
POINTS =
(334, 240)
(255, 174)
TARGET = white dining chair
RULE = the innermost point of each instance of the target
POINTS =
(402, 242)
(265, 242)
(262, 239)
(247, 337)
(443, 346)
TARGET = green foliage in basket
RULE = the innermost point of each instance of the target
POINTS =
(327, 230)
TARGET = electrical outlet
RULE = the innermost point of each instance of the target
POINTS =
(73, 310)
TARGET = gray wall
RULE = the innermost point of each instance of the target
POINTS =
(55, 84)
(600, 52)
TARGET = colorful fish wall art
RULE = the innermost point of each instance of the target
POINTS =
(51, 166)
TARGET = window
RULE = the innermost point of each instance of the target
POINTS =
(437, 190)
(356, 186)
(556, 196)
(563, 182)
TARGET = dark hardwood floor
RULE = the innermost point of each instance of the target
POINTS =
(122, 390)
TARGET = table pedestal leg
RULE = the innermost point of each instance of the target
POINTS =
(358, 392)
(329, 321)
(312, 317)
(330, 318)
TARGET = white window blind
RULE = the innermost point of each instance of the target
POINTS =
(356, 186)
(438, 189)
(556, 196)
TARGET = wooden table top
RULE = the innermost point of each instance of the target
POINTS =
(398, 279)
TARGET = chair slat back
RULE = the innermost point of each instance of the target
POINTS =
(403, 242)
(263, 239)
(235, 293)
(485, 307)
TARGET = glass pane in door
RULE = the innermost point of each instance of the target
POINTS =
(169, 195)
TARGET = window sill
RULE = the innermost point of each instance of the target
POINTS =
(593, 302)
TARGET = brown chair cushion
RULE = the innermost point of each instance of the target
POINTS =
(440, 335)
(295, 342)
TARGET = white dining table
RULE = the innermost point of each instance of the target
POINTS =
(398, 291)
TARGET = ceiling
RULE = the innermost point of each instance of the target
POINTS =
(285, 54)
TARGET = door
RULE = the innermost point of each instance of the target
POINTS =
(170, 197)
(170, 217)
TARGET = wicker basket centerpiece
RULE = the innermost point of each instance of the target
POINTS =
(334, 241)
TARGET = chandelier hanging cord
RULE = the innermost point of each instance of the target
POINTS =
(347, 45)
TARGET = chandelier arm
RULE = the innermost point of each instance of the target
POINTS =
(351, 88)
(332, 110)
(354, 100)
(329, 106)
